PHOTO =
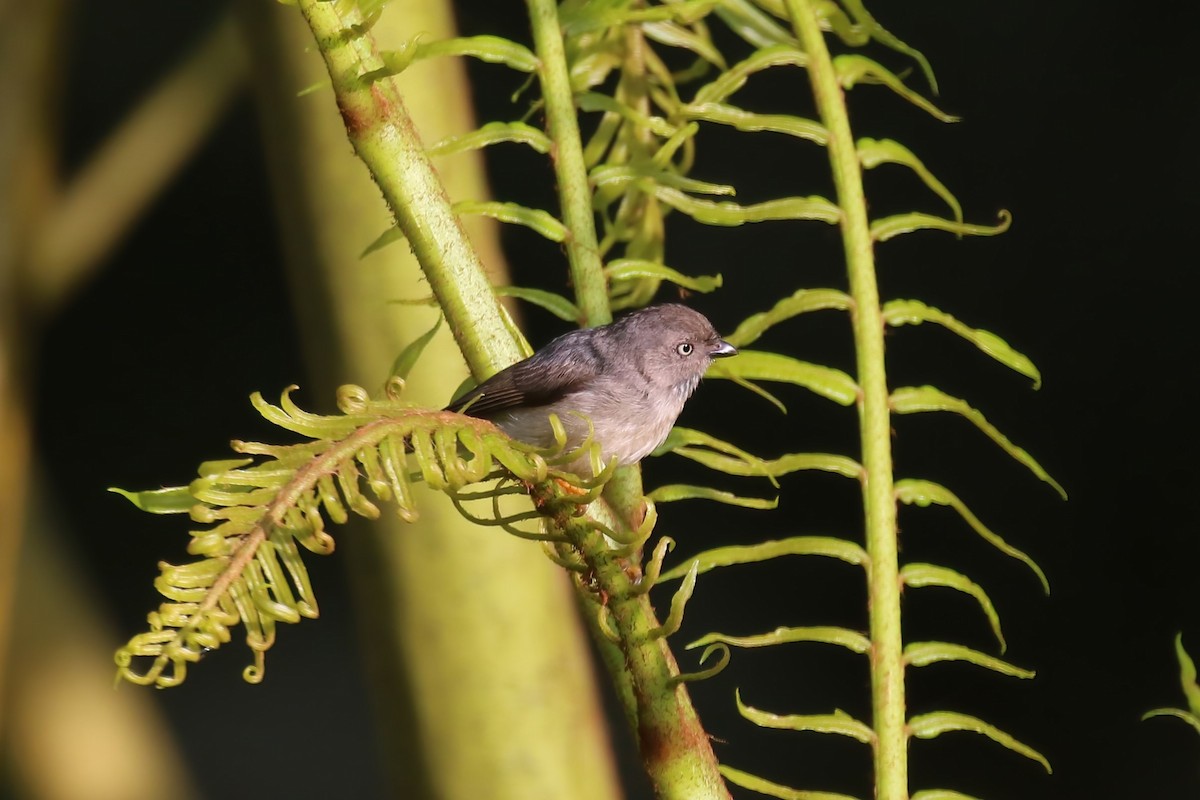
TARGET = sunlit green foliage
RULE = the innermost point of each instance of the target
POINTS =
(646, 121)
(257, 510)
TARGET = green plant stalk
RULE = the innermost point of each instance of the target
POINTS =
(383, 136)
(624, 492)
(887, 665)
(676, 751)
(570, 171)
(681, 760)
(464, 727)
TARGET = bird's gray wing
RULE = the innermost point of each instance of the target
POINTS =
(564, 366)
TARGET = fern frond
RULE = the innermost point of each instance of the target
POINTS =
(918, 575)
(914, 312)
(917, 399)
(933, 724)
(853, 641)
(678, 491)
(828, 546)
(924, 493)
(897, 224)
(828, 382)
(260, 510)
(556, 304)
(1191, 690)
(838, 722)
(492, 49)
(853, 69)
(875, 152)
(801, 301)
(771, 789)
(490, 134)
(921, 654)
(714, 670)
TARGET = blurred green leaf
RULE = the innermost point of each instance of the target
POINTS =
(734, 78)
(921, 654)
(594, 101)
(827, 546)
(928, 726)
(917, 399)
(1188, 717)
(679, 491)
(556, 304)
(774, 467)
(914, 312)
(171, 500)
(407, 359)
(890, 227)
(221, 465)
(830, 383)
(801, 302)
(534, 218)
(577, 18)
(838, 722)
(942, 794)
(713, 671)
(753, 26)
(924, 493)
(854, 69)
(874, 152)
(1187, 676)
(764, 786)
(489, 134)
(732, 214)
(391, 235)
(673, 34)
(844, 637)
(1191, 690)
(632, 268)
(750, 122)
(887, 39)
(618, 176)
(492, 49)
(918, 575)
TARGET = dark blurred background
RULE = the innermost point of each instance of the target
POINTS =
(1075, 118)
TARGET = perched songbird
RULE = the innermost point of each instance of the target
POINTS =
(630, 378)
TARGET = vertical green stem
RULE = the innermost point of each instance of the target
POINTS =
(574, 193)
(453, 727)
(384, 138)
(887, 666)
(676, 750)
(624, 492)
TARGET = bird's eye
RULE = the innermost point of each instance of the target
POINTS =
(684, 349)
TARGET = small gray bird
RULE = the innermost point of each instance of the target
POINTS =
(630, 378)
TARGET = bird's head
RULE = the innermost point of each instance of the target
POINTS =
(678, 344)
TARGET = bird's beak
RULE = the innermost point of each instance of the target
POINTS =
(723, 349)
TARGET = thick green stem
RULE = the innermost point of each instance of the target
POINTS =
(624, 492)
(384, 138)
(675, 748)
(457, 727)
(574, 193)
(887, 665)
